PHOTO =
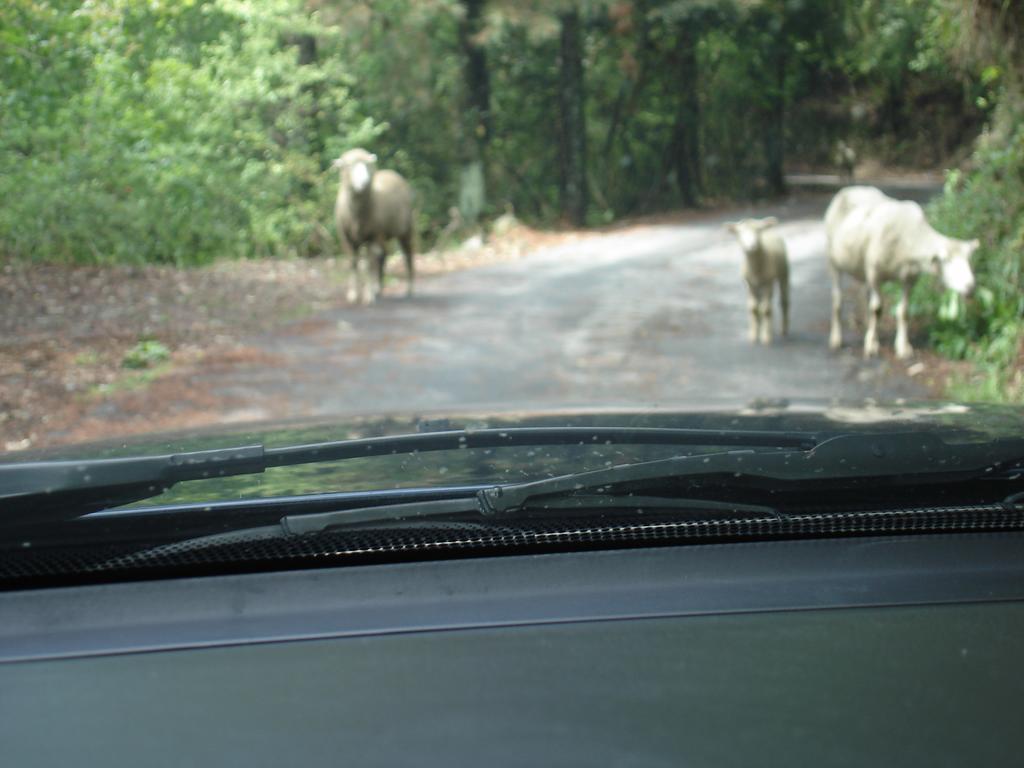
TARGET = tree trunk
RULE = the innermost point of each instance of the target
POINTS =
(632, 87)
(684, 145)
(308, 57)
(476, 128)
(774, 130)
(572, 125)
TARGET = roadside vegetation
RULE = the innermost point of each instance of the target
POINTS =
(985, 199)
(181, 132)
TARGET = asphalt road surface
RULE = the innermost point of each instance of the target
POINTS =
(651, 315)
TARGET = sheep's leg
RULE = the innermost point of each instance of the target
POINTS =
(784, 302)
(380, 256)
(410, 270)
(874, 315)
(755, 318)
(352, 294)
(835, 336)
(765, 306)
(362, 295)
(903, 348)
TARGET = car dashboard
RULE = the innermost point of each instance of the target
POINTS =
(897, 650)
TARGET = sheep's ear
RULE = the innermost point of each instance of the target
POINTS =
(373, 158)
(771, 221)
(731, 226)
(975, 245)
(336, 164)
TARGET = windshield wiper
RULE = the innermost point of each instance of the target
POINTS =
(835, 463)
(63, 490)
(464, 510)
(895, 459)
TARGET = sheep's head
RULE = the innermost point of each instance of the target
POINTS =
(748, 231)
(953, 264)
(356, 168)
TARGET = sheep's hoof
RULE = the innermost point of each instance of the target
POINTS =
(905, 351)
(352, 296)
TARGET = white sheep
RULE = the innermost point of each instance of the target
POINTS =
(877, 239)
(372, 207)
(765, 265)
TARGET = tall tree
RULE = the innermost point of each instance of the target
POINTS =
(308, 57)
(683, 152)
(787, 38)
(476, 126)
(572, 133)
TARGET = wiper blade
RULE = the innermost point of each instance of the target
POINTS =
(896, 458)
(61, 490)
(468, 509)
(564, 507)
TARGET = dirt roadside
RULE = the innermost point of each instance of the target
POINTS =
(65, 331)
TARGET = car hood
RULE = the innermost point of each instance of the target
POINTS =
(448, 468)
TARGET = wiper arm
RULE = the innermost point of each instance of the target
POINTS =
(564, 506)
(899, 458)
(62, 490)
(465, 510)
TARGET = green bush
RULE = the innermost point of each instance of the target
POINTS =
(986, 202)
(184, 132)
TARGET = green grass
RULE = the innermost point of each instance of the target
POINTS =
(132, 381)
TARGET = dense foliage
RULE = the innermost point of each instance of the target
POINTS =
(165, 131)
(985, 199)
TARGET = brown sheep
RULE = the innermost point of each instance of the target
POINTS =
(372, 208)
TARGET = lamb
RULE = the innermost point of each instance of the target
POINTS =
(372, 208)
(877, 239)
(766, 264)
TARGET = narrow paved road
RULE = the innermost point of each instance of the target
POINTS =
(653, 315)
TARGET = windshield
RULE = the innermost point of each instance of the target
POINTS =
(229, 223)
